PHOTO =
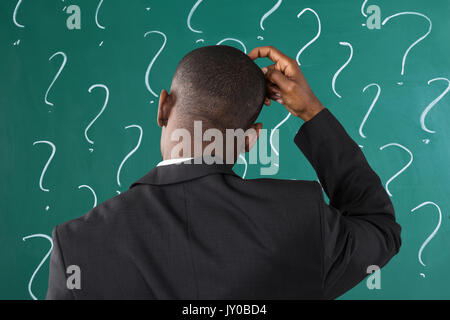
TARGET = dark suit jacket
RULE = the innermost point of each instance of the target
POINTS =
(201, 232)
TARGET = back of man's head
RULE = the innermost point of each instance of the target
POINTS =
(219, 85)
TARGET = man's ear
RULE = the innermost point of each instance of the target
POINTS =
(253, 136)
(164, 107)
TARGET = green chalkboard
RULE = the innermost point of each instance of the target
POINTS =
(78, 111)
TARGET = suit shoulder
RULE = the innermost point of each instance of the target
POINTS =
(105, 215)
(279, 190)
(283, 185)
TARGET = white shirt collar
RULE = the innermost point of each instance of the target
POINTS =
(172, 161)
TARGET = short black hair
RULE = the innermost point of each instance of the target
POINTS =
(221, 86)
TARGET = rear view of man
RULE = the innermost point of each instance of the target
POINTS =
(189, 230)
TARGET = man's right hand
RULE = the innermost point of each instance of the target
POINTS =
(286, 84)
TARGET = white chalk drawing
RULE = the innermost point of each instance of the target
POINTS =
(101, 111)
(96, 15)
(433, 103)
(38, 235)
(267, 14)
(57, 74)
(19, 20)
(235, 40)
(92, 191)
(415, 42)
(272, 132)
(374, 101)
(47, 163)
(319, 29)
(401, 170)
(363, 11)
(431, 236)
(245, 165)
(15, 15)
(147, 84)
(131, 152)
(190, 17)
(333, 81)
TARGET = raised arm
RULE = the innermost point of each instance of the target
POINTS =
(358, 226)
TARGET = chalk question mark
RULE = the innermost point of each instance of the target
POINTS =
(147, 84)
(17, 42)
(39, 235)
(15, 15)
(333, 81)
(57, 74)
(266, 15)
(315, 37)
(47, 163)
(92, 191)
(190, 17)
(96, 15)
(433, 103)
(402, 169)
(415, 42)
(363, 11)
(96, 19)
(101, 111)
(131, 152)
(374, 101)
(44, 170)
(431, 236)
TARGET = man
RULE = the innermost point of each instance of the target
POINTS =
(199, 231)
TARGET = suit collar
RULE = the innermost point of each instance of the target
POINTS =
(176, 173)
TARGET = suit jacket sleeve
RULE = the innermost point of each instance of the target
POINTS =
(358, 226)
(57, 282)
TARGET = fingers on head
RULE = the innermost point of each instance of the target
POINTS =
(272, 89)
(277, 77)
(267, 52)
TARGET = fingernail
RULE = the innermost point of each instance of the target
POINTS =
(279, 101)
(264, 70)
